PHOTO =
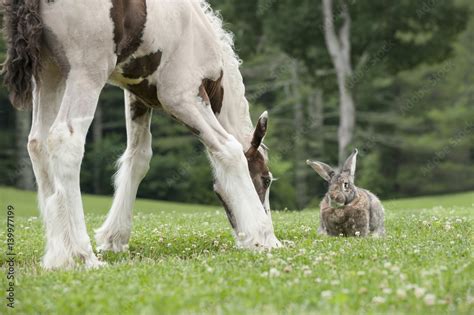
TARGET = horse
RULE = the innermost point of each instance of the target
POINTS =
(168, 55)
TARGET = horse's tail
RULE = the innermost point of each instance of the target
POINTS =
(23, 28)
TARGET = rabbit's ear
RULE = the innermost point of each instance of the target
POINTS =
(324, 170)
(350, 164)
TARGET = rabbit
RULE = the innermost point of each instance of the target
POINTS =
(347, 210)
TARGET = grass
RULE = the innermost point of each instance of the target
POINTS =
(182, 260)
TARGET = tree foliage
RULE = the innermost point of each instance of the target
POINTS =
(412, 84)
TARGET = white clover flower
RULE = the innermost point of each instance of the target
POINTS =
(378, 300)
(419, 292)
(326, 294)
(458, 220)
(410, 286)
(402, 294)
(430, 299)
(387, 291)
(357, 233)
(274, 272)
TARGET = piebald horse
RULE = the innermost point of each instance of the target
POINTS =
(171, 55)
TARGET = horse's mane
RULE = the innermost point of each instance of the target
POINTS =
(226, 37)
(239, 115)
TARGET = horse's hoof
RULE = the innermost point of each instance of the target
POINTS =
(94, 263)
(111, 242)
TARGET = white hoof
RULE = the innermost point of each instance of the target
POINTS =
(92, 262)
(272, 242)
(52, 261)
(260, 242)
(111, 241)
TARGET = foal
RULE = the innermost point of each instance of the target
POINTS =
(172, 55)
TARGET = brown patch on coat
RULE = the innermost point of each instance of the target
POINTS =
(212, 93)
(142, 67)
(192, 129)
(229, 213)
(146, 92)
(56, 51)
(23, 29)
(259, 173)
(138, 109)
(129, 18)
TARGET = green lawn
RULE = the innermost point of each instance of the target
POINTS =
(182, 260)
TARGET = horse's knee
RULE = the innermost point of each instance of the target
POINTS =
(138, 158)
(142, 161)
(231, 153)
(65, 146)
(35, 148)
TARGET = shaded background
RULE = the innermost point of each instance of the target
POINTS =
(411, 81)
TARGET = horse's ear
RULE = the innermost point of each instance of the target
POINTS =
(258, 134)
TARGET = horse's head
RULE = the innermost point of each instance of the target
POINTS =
(257, 158)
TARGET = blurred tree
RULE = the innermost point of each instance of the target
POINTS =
(413, 33)
(414, 104)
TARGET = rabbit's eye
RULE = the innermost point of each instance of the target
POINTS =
(346, 186)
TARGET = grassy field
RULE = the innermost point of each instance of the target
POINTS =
(182, 260)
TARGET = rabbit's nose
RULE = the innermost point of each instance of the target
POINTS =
(337, 197)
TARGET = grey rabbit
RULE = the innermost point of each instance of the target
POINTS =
(348, 210)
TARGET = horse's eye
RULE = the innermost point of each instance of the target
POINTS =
(266, 181)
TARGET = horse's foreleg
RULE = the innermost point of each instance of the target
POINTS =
(66, 232)
(46, 103)
(133, 166)
(252, 226)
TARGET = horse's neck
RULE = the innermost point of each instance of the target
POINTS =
(235, 115)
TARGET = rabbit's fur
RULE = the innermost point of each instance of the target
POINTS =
(346, 209)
